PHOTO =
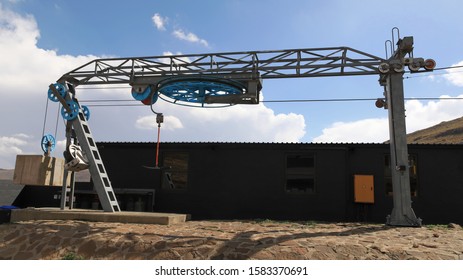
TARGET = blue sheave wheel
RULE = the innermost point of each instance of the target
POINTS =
(60, 88)
(86, 112)
(48, 141)
(73, 113)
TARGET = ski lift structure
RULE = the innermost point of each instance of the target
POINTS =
(226, 79)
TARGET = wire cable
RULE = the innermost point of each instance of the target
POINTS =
(45, 118)
(409, 77)
(448, 67)
(356, 99)
(57, 120)
(423, 74)
(294, 101)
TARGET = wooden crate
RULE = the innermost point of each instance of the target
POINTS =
(38, 170)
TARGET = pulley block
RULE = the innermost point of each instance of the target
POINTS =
(72, 114)
(151, 99)
(86, 112)
(48, 143)
(60, 88)
(141, 93)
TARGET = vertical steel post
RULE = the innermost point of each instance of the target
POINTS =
(67, 190)
(64, 190)
(402, 212)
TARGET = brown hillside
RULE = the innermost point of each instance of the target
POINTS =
(6, 174)
(449, 132)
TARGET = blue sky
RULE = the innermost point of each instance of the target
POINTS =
(42, 39)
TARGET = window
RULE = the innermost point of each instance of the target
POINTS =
(175, 170)
(300, 174)
(412, 162)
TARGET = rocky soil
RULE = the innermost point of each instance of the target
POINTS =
(267, 240)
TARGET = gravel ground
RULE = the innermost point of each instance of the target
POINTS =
(266, 240)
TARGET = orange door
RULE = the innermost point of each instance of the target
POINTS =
(364, 189)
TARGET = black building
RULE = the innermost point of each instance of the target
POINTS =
(279, 181)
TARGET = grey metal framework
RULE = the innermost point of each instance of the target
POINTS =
(253, 66)
(100, 178)
(92, 156)
(336, 61)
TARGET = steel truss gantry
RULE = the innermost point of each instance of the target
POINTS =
(315, 62)
(250, 68)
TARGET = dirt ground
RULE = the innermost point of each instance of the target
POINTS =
(266, 240)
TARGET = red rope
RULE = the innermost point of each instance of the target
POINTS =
(157, 146)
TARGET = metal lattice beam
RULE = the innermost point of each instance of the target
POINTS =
(336, 61)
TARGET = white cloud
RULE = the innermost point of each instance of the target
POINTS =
(455, 75)
(10, 146)
(25, 73)
(177, 60)
(170, 123)
(10, 141)
(420, 115)
(240, 123)
(362, 131)
(21, 135)
(159, 21)
(61, 145)
(167, 53)
(39, 67)
(190, 37)
(24, 66)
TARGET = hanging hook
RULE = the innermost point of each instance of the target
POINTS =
(159, 120)
(153, 95)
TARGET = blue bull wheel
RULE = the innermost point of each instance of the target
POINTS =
(60, 88)
(86, 112)
(73, 113)
(48, 141)
(196, 90)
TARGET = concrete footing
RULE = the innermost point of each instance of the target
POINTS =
(28, 214)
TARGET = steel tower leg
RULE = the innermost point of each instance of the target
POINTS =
(67, 191)
(402, 212)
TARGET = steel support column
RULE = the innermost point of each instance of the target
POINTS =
(402, 212)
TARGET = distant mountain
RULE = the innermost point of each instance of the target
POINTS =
(449, 132)
(6, 174)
